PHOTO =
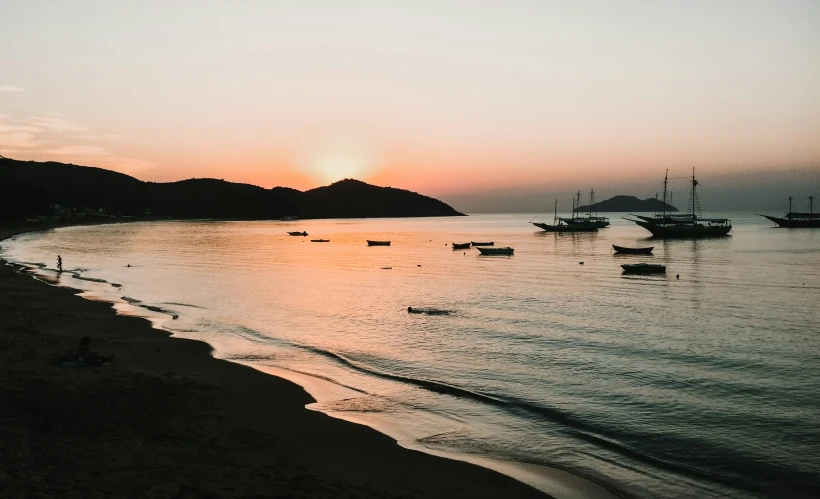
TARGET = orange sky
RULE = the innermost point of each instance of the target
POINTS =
(445, 97)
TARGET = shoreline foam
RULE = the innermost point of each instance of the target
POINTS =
(540, 477)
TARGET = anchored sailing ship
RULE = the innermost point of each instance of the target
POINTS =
(794, 219)
(589, 220)
(561, 225)
(688, 225)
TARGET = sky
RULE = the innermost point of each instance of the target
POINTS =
(493, 104)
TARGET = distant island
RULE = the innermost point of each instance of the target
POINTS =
(629, 203)
(58, 190)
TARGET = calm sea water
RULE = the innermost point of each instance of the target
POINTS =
(702, 386)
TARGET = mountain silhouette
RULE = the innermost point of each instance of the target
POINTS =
(30, 188)
(628, 203)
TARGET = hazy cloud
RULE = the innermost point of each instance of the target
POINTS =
(76, 150)
(16, 140)
(56, 122)
(27, 136)
(11, 88)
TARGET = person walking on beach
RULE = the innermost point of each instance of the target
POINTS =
(59, 263)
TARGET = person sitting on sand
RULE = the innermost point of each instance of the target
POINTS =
(87, 356)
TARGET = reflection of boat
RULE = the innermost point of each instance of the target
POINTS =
(457, 246)
(633, 251)
(496, 251)
(589, 220)
(378, 243)
(691, 225)
(644, 268)
(490, 243)
(297, 233)
(798, 220)
(561, 224)
(320, 240)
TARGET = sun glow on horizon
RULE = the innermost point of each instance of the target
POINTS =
(332, 168)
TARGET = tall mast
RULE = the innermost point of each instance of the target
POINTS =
(811, 203)
(694, 202)
(591, 203)
(578, 205)
(555, 217)
(663, 208)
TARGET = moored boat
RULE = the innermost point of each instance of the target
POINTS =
(687, 226)
(496, 251)
(795, 219)
(458, 246)
(297, 233)
(644, 268)
(590, 220)
(563, 225)
(378, 243)
(488, 243)
(633, 251)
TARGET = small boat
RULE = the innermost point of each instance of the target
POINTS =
(797, 220)
(489, 243)
(633, 251)
(297, 233)
(378, 243)
(496, 251)
(288, 218)
(644, 268)
(457, 246)
(320, 240)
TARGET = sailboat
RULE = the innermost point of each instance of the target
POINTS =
(589, 220)
(795, 220)
(560, 225)
(689, 225)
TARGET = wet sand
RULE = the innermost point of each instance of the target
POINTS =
(167, 420)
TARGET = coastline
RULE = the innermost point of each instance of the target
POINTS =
(341, 456)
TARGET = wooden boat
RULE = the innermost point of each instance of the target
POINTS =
(459, 246)
(320, 240)
(590, 220)
(644, 268)
(564, 225)
(797, 220)
(496, 251)
(633, 251)
(688, 226)
(490, 243)
(297, 233)
(378, 243)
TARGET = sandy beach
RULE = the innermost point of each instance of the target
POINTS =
(167, 420)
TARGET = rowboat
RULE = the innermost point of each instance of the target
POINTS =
(490, 243)
(378, 243)
(457, 246)
(320, 240)
(633, 251)
(644, 268)
(297, 233)
(496, 251)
